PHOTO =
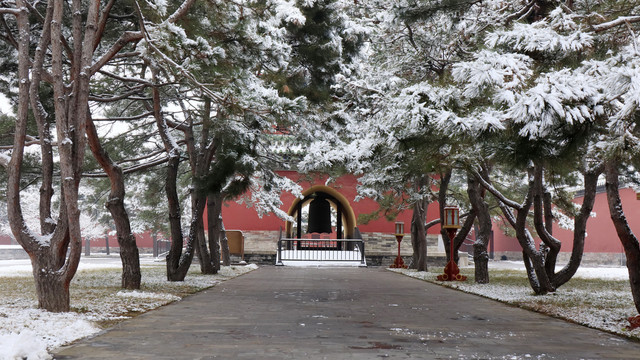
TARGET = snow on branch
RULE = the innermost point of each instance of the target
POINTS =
(490, 70)
(617, 22)
(131, 169)
(539, 37)
(288, 12)
(561, 97)
(181, 11)
(9, 11)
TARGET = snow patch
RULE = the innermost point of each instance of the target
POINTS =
(24, 345)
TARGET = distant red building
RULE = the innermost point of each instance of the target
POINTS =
(261, 234)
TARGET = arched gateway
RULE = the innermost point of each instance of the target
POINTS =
(323, 230)
(344, 215)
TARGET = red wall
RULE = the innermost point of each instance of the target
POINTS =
(601, 235)
(143, 240)
(239, 217)
(5, 239)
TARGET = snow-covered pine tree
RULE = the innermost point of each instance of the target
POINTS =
(618, 72)
(534, 80)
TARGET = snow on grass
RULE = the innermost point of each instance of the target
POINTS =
(596, 297)
(97, 302)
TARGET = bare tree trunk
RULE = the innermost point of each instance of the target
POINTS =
(481, 209)
(200, 158)
(534, 259)
(177, 263)
(462, 234)
(224, 244)
(418, 229)
(129, 254)
(442, 202)
(52, 269)
(627, 237)
(580, 227)
(419, 236)
(543, 220)
(204, 256)
(217, 239)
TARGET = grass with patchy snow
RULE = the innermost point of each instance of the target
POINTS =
(97, 302)
(603, 304)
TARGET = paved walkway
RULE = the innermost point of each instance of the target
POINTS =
(344, 313)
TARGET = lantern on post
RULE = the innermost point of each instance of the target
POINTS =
(399, 263)
(451, 223)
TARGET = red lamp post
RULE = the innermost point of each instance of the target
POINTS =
(451, 223)
(399, 263)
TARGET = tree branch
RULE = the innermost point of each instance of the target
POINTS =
(131, 169)
(495, 192)
(181, 11)
(617, 22)
(10, 11)
(126, 38)
(126, 118)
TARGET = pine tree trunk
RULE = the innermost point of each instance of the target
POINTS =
(129, 254)
(51, 288)
(442, 202)
(177, 263)
(579, 228)
(206, 259)
(626, 236)
(481, 209)
(419, 236)
(224, 244)
(217, 234)
(418, 226)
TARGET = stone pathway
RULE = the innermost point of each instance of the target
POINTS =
(344, 313)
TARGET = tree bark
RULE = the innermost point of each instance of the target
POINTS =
(418, 227)
(212, 220)
(204, 256)
(442, 202)
(52, 269)
(177, 263)
(534, 259)
(480, 207)
(129, 254)
(224, 244)
(627, 237)
(200, 159)
(580, 227)
(217, 236)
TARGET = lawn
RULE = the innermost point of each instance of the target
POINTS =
(97, 302)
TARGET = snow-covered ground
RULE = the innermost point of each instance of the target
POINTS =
(602, 272)
(29, 333)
